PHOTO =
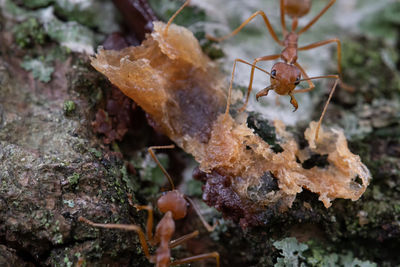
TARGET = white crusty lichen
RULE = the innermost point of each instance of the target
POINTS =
(74, 31)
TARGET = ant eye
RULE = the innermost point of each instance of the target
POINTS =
(297, 81)
(273, 73)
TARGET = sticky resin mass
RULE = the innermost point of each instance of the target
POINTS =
(185, 95)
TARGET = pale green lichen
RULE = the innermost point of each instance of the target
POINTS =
(69, 34)
(131, 184)
(99, 14)
(28, 33)
(150, 172)
(67, 262)
(74, 179)
(301, 254)
(193, 188)
(383, 22)
(36, 3)
(75, 33)
(39, 69)
(292, 252)
(363, 119)
(70, 203)
(42, 67)
(10, 9)
(69, 107)
(96, 153)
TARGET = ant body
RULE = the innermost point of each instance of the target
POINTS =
(286, 75)
(174, 206)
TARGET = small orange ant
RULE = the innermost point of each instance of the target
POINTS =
(174, 205)
(286, 75)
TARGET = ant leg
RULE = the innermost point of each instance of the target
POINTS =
(176, 14)
(339, 53)
(325, 42)
(197, 210)
(151, 152)
(282, 4)
(311, 85)
(305, 28)
(126, 227)
(182, 239)
(253, 66)
(150, 220)
(308, 79)
(238, 29)
(198, 258)
(228, 101)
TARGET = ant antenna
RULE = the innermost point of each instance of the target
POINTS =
(320, 77)
(305, 28)
(176, 14)
(324, 110)
(197, 210)
(228, 102)
(151, 152)
(327, 101)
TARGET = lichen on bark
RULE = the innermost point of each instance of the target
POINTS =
(54, 168)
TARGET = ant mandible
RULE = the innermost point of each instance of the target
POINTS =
(174, 206)
(286, 75)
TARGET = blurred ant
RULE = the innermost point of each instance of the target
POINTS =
(286, 75)
(174, 206)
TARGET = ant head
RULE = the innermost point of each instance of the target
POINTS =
(175, 202)
(297, 8)
(284, 78)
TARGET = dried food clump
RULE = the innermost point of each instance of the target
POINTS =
(170, 78)
(183, 92)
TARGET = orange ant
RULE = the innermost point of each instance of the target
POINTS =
(174, 206)
(286, 75)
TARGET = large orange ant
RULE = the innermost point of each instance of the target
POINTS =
(174, 206)
(286, 75)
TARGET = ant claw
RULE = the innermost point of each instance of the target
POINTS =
(263, 92)
(293, 102)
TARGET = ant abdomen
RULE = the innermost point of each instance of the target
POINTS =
(175, 202)
(297, 8)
